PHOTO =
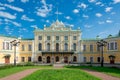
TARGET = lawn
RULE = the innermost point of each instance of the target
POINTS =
(60, 74)
(107, 70)
(12, 70)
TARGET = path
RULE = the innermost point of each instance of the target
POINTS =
(19, 75)
(101, 75)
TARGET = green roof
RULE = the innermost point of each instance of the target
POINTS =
(7, 36)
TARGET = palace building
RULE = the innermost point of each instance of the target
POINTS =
(59, 44)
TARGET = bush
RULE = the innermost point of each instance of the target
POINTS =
(6, 66)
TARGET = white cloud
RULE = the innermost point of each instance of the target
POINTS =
(2, 8)
(75, 11)
(101, 22)
(116, 1)
(98, 14)
(24, 1)
(34, 26)
(92, 1)
(47, 21)
(13, 22)
(85, 16)
(68, 17)
(44, 10)
(108, 9)
(13, 7)
(59, 13)
(109, 21)
(24, 17)
(87, 26)
(82, 5)
(10, 1)
(7, 15)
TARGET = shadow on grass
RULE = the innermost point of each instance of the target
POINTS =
(113, 71)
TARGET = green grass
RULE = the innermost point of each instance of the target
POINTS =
(12, 70)
(61, 74)
(107, 70)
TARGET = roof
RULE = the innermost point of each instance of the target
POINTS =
(2, 35)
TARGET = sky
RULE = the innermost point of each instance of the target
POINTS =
(93, 17)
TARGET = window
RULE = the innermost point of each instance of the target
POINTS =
(30, 47)
(84, 47)
(84, 59)
(3, 45)
(39, 37)
(91, 59)
(39, 58)
(98, 59)
(65, 37)
(91, 48)
(74, 59)
(57, 46)
(29, 59)
(23, 59)
(98, 48)
(40, 47)
(74, 46)
(66, 47)
(74, 38)
(48, 37)
(23, 47)
(57, 37)
(112, 46)
(7, 45)
(48, 46)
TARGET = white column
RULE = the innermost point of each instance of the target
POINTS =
(70, 42)
(53, 42)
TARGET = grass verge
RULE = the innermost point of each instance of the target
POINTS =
(107, 70)
(62, 74)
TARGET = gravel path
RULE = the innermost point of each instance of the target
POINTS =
(19, 75)
(101, 75)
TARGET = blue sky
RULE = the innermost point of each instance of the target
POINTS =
(94, 17)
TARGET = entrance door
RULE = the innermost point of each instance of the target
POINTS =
(48, 59)
(65, 59)
(57, 59)
(112, 61)
(7, 60)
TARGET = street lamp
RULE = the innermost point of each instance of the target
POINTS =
(101, 44)
(14, 43)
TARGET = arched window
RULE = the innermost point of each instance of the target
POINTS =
(66, 47)
(74, 59)
(39, 58)
(48, 59)
(48, 46)
(40, 47)
(57, 46)
(74, 46)
(57, 58)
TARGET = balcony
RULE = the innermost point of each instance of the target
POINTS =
(57, 51)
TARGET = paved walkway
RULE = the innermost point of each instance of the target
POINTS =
(19, 75)
(101, 75)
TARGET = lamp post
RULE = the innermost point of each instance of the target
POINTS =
(14, 43)
(101, 44)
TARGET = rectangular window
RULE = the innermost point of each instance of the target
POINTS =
(74, 38)
(29, 59)
(98, 48)
(23, 47)
(57, 37)
(91, 59)
(98, 59)
(115, 45)
(91, 48)
(30, 47)
(108, 46)
(84, 47)
(23, 59)
(7, 45)
(65, 37)
(39, 37)
(112, 46)
(48, 37)
(84, 59)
